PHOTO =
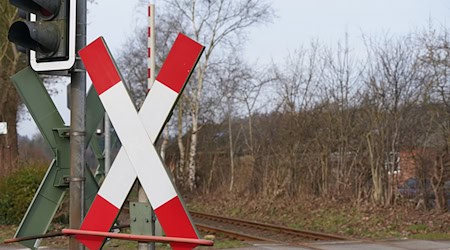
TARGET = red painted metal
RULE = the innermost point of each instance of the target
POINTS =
(146, 238)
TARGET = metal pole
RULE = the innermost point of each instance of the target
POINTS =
(152, 40)
(142, 197)
(77, 129)
(151, 46)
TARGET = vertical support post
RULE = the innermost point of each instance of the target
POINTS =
(151, 45)
(142, 197)
(151, 63)
(78, 129)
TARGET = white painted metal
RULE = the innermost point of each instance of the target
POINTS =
(120, 179)
(138, 146)
(165, 98)
(116, 187)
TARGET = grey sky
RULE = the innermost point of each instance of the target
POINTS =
(298, 22)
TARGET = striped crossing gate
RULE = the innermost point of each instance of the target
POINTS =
(138, 157)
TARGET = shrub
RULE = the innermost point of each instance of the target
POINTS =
(17, 191)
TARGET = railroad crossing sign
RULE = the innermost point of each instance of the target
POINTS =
(53, 187)
(138, 157)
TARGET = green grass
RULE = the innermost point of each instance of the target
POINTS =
(218, 244)
(418, 228)
(225, 243)
(120, 244)
(430, 236)
(421, 232)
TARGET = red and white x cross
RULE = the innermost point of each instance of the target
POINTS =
(138, 157)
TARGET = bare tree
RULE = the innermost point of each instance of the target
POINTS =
(339, 86)
(296, 84)
(231, 76)
(435, 63)
(392, 82)
(10, 61)
(215, 24)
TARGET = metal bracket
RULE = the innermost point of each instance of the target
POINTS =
(61, 179)
(63, 132)
(77, 179)
(140, 218)
(78, 66)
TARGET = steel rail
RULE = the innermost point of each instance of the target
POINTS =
(247, 237)
(233, 234)
(270, 227)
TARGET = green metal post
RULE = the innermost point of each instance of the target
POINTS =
(50, 123)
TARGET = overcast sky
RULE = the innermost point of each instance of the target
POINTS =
(298, 22)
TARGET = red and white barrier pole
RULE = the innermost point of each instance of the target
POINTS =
(142, 198)
(151, 46)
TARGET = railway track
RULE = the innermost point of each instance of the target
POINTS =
(247, 230)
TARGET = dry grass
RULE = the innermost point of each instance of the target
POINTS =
(339, 217)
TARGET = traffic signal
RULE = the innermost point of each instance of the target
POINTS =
(48, 33)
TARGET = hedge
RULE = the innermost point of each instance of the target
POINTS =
(17, 191)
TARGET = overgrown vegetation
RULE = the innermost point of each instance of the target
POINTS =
(332, 216)
(342, 126)
(17, 191)
(328, 121)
